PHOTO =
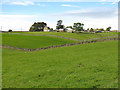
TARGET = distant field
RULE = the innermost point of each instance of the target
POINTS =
(80, 36)
(92, 65)
(32, 42)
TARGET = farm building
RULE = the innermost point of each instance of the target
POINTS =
(61, 30)
(69, 30)
(115, 31)
(46, 29)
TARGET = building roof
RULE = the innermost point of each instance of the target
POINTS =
(69, 29)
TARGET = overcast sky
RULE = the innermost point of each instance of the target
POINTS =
(21, 14)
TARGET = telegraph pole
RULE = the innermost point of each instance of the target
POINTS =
(1, 28)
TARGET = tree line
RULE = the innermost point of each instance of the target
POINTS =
(78, 27)
(40, 26)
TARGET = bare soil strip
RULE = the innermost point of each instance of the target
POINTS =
(64, 45)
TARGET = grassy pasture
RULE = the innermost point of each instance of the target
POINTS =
(32, 42)
(80, 36)
(92, 65)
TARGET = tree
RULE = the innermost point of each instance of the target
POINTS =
(59, 25)
(48, 28)
(78, 26)
(39, 26)
(108, 29)
(101, 29)
(9, 30)
(91, 30)
(51, 29)
(69, 27)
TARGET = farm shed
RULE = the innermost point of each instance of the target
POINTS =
(69, 30)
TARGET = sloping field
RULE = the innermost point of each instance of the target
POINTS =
(32, 42)
(80, 36)
(92, 65)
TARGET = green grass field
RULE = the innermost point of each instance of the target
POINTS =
(93, 65)
(80, 36)
(80, 66)
(32, 42)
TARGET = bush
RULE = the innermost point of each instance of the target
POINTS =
(9, 30)
(97, 31)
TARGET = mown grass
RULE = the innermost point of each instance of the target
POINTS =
(80, 36)
(92, 65)
(32, 42)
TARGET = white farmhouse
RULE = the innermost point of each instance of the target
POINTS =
(69, 30)
(61, 30)
(46, 29)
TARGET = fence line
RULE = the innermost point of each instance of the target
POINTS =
(66, 37)
(70, 44)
